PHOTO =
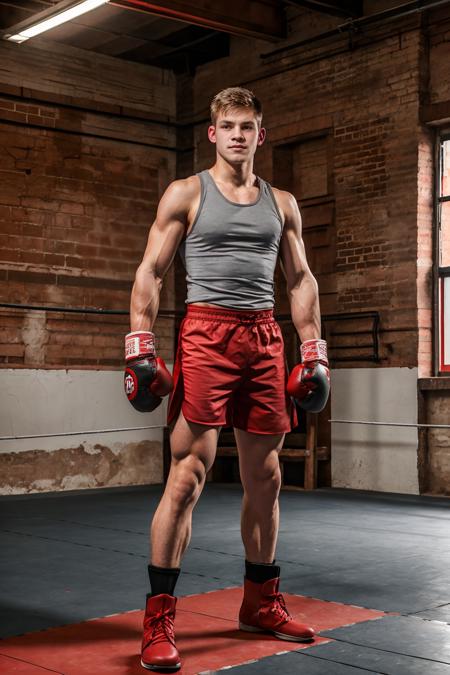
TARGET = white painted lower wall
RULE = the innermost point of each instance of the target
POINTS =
(52, 401)
(375, 457)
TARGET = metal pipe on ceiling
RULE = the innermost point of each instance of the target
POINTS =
(353, 25)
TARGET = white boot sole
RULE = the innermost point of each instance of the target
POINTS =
(166, 669)
(281, 636)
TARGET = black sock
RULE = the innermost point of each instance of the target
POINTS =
(163, 579)
(261, 572)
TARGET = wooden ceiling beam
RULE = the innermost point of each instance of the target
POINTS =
(263, 19)
(346, 9)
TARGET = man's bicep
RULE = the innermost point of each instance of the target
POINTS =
(163, 241)
(166, 232)
(292, 248)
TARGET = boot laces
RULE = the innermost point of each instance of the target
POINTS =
(278, 607)
(161, 627)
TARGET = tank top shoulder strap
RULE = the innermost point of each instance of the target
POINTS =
(204, 180)
(267, 189)
(203, 176)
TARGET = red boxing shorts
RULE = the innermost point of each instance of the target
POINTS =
(230, 370)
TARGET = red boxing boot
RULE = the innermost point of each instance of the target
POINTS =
(158, 643)
(263, 610)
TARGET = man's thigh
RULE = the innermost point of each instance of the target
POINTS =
(197, 441)
(258, 456)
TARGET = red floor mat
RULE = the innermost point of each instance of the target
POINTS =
(205, 626)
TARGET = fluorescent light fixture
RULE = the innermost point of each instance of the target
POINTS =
(56, 20)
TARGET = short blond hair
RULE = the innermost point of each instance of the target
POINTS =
(235, 97)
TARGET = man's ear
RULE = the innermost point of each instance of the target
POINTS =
(212, 133)
(261, 136)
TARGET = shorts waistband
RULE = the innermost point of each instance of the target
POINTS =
(228, 314)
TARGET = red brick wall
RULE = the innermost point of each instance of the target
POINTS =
(79, 186)
(437, 30)
(85, 160)
(367, 99)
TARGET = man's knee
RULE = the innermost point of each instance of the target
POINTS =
(264, 480)
(188, 476)
(272, 480)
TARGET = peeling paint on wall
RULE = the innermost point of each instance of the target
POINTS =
(86, 466)
(35, 337)
(36, 401)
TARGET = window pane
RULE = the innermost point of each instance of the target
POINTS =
(445, 324)
(445, 235)
(445, 177)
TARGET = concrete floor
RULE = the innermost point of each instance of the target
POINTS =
(66, 558)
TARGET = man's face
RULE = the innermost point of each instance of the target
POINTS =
(236, 135)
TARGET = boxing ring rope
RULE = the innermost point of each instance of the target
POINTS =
(177, 314)
(77, 310)
(392, 424)
(374, 316)
(80, 310)
(163, 426)
(81, 433)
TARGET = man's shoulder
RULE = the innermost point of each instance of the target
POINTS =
(282, 195)
(181, 194)
(185, 187)
(285, 200)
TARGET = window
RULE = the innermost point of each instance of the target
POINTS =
(443, 222)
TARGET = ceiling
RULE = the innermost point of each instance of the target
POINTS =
(127, 34)
(157, 40)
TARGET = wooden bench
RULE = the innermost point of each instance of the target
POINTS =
(298, 447)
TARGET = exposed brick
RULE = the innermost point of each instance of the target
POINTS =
(34, 257)
(6, 105)
(21, 107)
(31, 277)
(12, 116)
(41, 121)
(11, 255)
(54, 260)
(71, 207)
(47, 112)
(102, 195)
(11, 349)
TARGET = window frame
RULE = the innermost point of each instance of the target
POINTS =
(440, 272)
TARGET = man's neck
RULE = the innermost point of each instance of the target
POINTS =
(238, 175)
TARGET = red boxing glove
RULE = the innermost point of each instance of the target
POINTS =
(309, 382)
(147, 379)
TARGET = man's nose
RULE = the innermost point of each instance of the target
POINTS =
(237, 133)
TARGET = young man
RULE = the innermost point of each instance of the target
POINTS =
(230, 227)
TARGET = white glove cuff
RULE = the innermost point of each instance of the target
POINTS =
(314, 351)
(139, 343)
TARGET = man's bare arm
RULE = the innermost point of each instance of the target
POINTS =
(302, 287)
(165, 236)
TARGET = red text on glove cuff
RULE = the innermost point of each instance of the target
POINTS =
(314, 351)
(138, 344)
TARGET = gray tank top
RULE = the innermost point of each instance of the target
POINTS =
(231, 251)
